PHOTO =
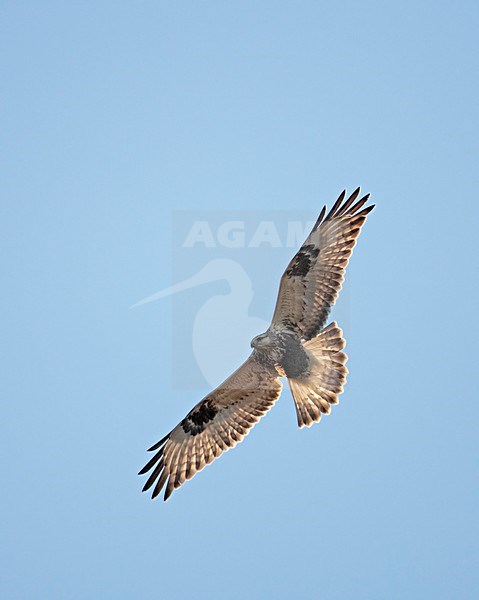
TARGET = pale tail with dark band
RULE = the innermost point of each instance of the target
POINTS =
(314, 394)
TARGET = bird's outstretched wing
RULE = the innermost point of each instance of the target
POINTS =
(311, 283)
(214, 425)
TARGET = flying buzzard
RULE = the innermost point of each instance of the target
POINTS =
(297, 345)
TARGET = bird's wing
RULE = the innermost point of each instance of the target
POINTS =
(215, 425)
(311, 283)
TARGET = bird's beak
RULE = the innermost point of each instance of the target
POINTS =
(198, 279)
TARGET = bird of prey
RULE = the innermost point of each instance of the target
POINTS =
(297, 345)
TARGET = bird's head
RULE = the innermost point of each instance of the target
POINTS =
(262, 341)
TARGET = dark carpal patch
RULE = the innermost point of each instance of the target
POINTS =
(288, 323)
(295, 361)
(302, 262)
(197, 420)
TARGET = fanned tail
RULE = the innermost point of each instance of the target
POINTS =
(314, 394)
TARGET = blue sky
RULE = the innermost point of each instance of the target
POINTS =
(117, 115)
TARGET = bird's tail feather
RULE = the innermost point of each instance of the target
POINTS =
(314, 394)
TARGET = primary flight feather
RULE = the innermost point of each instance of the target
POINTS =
(296, 345)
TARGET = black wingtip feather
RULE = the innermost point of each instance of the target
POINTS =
(152, 462)
(365, 211)
(336, 205)
(159, 484)
(158, 444)
(344, 208)
(340, 209)
(354, 195)
(319, 220)
(154, 475)
(359, 204)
